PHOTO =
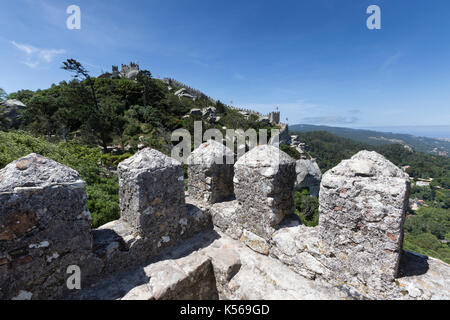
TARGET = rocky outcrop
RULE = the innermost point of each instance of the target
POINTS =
(308, 176)
(210, 114)
(211, 172)
(12, 110)
(196, 112)
(184, 93)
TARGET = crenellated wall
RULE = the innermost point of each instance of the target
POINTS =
(357, 247)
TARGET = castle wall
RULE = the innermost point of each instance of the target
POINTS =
(210, 177)
(363, 203)
(264, 184)
(44, 229)
(357, 247)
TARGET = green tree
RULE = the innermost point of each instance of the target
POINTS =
(22, 95)
(79, 70)
(144, 78)
(291, 151)
(3, 95)
(3, 120)
(220, 107)
(39, 114)
(103, 118)
(307, 208)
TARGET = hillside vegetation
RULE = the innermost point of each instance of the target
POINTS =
(92, 124)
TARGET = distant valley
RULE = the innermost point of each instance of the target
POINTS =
(424, 144)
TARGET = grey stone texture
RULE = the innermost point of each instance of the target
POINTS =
(283, 138)
(363, 202)
(264, 187)
(255, 242)
(151, 193)
(308, 176)
(300, 248)
(120, 246)
(209, 266)
(188, 278)
(422, 277)
(354, 253)
(210, 174)
(45, 226)
(225, 216)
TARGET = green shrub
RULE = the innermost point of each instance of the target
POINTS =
(307, 208)
(101, 187)
(291, 151)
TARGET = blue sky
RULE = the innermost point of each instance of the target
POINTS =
(316, 60)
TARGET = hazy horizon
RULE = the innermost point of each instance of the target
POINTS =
(419, 131)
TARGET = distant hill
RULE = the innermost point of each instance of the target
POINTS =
(375, 138)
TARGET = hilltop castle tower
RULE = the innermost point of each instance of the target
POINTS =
(274, 117)
(130, 71)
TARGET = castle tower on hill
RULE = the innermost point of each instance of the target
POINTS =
(130, 71)
(274, 117)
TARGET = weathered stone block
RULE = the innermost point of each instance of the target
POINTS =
(255, 242)
(264, 186)
(151, 193)
(210, 177)
(226, 264)
(45, 226)
(308, 176)
(224, 216)
(362, 210)
(300, 248)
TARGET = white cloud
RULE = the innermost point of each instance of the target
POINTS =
(29, 50)
(35, 56)
(32, 65)
(391, 60)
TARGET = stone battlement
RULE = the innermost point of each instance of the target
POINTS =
(233, 235)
